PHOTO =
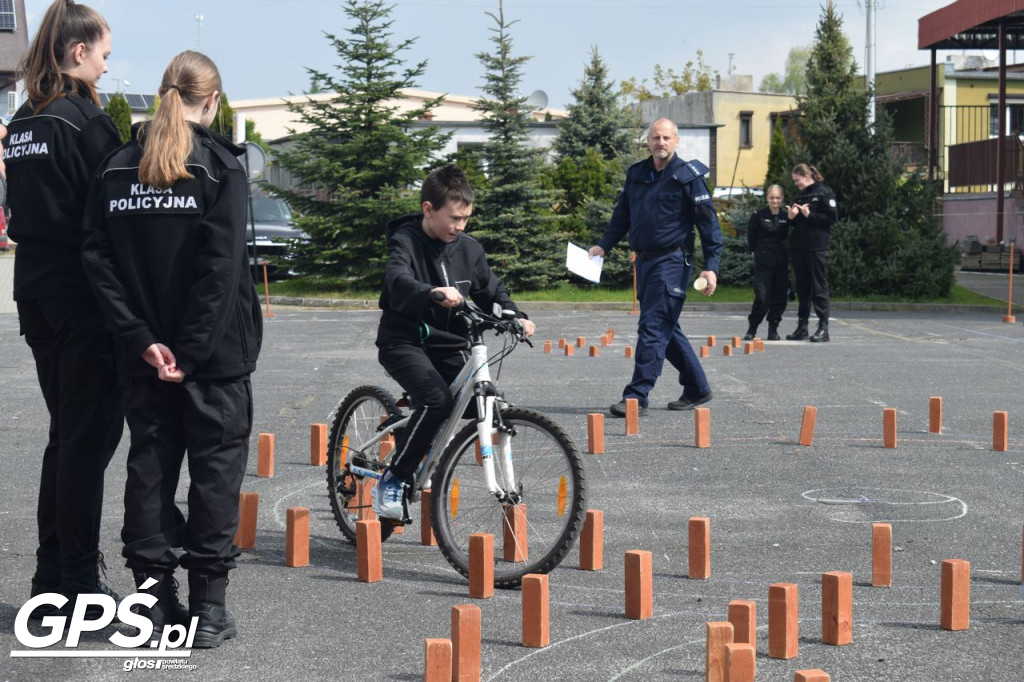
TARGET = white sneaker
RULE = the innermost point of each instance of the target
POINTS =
(388, 496)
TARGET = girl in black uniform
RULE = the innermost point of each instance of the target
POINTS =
(56, 141)
(166, 254)
(766, 235)
(811, 215)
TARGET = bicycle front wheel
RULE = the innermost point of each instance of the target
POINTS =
(534, 534)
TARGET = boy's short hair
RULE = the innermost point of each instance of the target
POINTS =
(444, 184)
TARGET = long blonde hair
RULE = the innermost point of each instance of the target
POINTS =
(65, 25)
(166, 142)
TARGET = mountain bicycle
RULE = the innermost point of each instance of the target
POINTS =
(511, 472)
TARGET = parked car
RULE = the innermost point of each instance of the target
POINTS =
(275, 233)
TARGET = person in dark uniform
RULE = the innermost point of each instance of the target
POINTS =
(811, 216)
(766, 236)
(165, 250)
(663, 199)
(56, 141)
(432, 265)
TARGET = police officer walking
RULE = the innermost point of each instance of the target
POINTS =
(812, 214)
(661, 202)
(166, 253)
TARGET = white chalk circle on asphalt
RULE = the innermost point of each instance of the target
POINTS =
(881, 505)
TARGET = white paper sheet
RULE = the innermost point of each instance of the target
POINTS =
(579, 262)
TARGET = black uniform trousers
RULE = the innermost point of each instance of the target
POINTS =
(425, 374)
(811, 271)
(770, 285)
(75, 365)
(210, 420)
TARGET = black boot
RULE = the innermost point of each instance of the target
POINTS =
(751, 332)
(46, 580)
(84, 578)
(206, 598)
(773, 331)
(800, 333)
(821, 334)
(167, 610)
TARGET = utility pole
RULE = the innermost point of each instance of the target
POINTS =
(869, 43)
(199, 32)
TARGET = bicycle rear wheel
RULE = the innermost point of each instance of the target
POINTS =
(534, 534)
(356, 419)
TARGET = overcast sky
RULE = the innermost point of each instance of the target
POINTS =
(264, 46)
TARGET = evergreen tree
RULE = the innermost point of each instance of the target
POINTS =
(224, 121)
(513, 218)
(117, 108)
(360, 156)
(780, 162)
(596, 117)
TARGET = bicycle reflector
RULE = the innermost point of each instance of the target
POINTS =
(453, 503)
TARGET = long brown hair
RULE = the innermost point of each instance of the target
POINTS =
(190, 78)
(806, 171)
(65, 25)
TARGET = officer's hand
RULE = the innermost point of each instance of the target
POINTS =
(158, 355)
(712, 279)
(595, 251)
(170, 374)
(452, 297)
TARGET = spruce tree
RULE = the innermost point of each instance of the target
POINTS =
(512, 217)
(780, 162)
(117, 108)
(360, 157)
(596, 117)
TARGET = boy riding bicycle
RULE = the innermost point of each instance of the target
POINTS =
(422, 344)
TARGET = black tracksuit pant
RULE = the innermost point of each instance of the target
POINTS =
(210, 421)
(77, 373)
(770, 286)
(811, 271)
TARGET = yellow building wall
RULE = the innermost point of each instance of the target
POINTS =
(747, 166)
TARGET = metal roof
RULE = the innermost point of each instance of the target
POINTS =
(972, 24)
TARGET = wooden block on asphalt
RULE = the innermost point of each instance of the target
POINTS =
(611, 334)
(736, 341)
(705, 352)
(807, 425)
(699, 545)
(881, 555)
(1000, 431)
(437, 660)
(561, 343)
(889, 427)
(1009, 319)
(547, 346)
(702, 427)
(740, 662)
(743, 616)
(748, 348)
(632, 417)
(426, 524)
(783, 620)
(837, 608)
(594, 351)
(481, 565)
(296, 537)
(628, 351)
(248, 511)
(581, 341)
(605, 340)
(368, 552)
(569, 349)
(956, 594)
(592, 541)
(513, 540)
(318, 444)
(718, 635)
(595, 433)
(935, 414)
(265, 462)
(811, 675)
(639, 585)
(536, 628)
(711, 341)
(466, 643)
(364, 499)
(726, 350)
(759, 345)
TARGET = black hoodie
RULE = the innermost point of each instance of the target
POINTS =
(416, 265)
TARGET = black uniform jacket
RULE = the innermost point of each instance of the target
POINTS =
(51, 157)
(766, 235)
(811, 233)
(416, 265)
(171, 265)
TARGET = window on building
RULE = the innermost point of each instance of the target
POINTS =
(746, 129)
(8, 20)
(1014, 119)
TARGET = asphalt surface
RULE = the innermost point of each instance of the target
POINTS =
(779, 512)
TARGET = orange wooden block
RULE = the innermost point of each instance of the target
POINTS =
(700, 548)
(437, 660)
(837, 608)
(740, 662)
(296, 537)
(935, 414)
(1000, 431)
(956, 594)
(702, 427)
(466, 643)
(426, 525)
(748, 348)
(807, 425)
(628, 351)
(248, 510)
(1009, 319)
(605, 340)
(639, 585)
(363, 499)
(811, 675)
(387, 446)
(759, 345)
(632, 417)
(736, 341)
(536, 628)
(581, 341)
(368, 552)
(561, 343)
(889, 427)
(743, 616)
(881, 555)
(592, 541)
(318, 444)
(594, 351)
(569, 349)
(265, 463)
(705, 352)
(783, 620)
(718, 635)
(547, 346)
(711, 341)
(611, 333)
(726, 350)
(595, 433)
(513, 541)
(481, 565)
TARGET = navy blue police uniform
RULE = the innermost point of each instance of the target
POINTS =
(658, 211)
(766, 237)
(808, 245)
